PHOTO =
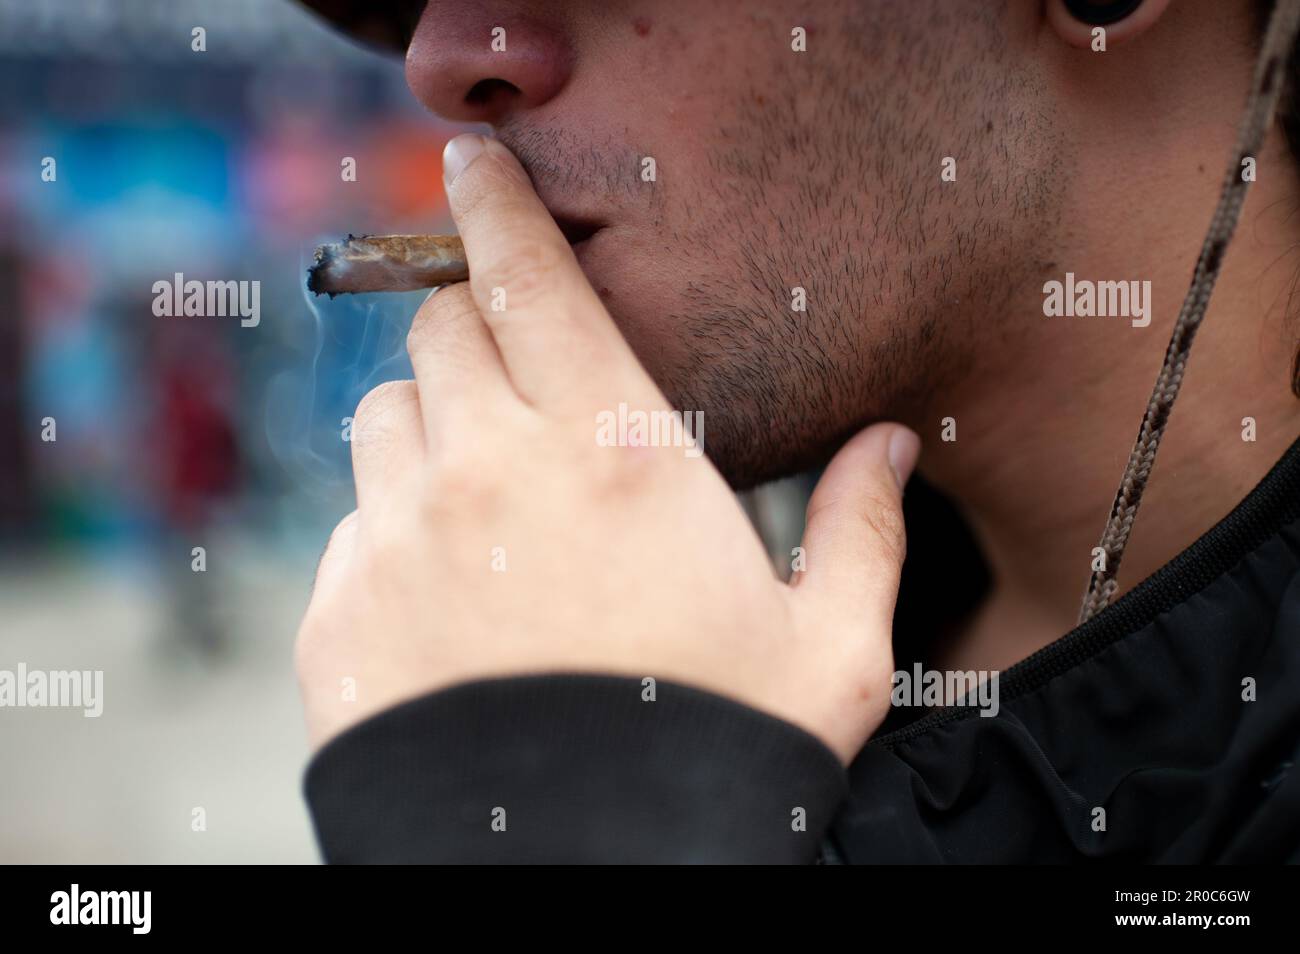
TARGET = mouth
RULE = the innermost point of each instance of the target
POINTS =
(575, 230)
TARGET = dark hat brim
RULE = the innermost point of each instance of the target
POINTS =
(384, 25)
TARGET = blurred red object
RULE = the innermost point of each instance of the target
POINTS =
(198, 447)
(409, 159)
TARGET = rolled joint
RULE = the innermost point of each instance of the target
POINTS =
(387, 263)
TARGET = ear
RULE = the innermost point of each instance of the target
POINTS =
(1078, 32)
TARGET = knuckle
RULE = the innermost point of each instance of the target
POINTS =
(461, 494)
(621, 472)
(531, 267)
(377, 404)
(476, 480)
(885, 519)
(342, 531)
(457, 482)
(382, 398)
(381, 558)
(447, 306)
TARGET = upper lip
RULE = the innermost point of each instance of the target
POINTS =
(576, 226)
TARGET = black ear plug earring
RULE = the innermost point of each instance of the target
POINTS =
(1101, 12)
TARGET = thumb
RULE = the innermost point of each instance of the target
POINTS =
(854, 537)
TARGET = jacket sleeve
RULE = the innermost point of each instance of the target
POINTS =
(573, 769)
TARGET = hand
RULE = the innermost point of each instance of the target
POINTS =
(495, 536)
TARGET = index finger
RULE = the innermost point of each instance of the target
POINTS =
(555, 337)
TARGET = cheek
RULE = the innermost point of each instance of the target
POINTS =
(681, 70)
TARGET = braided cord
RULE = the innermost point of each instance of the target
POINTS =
(1264, 92)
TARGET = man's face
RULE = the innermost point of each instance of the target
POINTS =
(773, 170)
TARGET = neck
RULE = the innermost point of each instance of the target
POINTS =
(1036, 465)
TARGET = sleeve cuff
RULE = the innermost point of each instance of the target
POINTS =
(577, 769)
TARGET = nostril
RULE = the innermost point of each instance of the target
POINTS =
(456, 75)
(490, 91)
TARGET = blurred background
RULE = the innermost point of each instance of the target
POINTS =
(177, 433)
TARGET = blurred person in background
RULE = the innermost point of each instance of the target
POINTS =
(196, 468)
(170, 435)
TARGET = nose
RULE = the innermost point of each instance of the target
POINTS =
(479, 62)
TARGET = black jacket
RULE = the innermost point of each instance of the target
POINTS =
(1166, 729)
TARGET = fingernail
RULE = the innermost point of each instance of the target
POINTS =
(904, 449)
(458, 154)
